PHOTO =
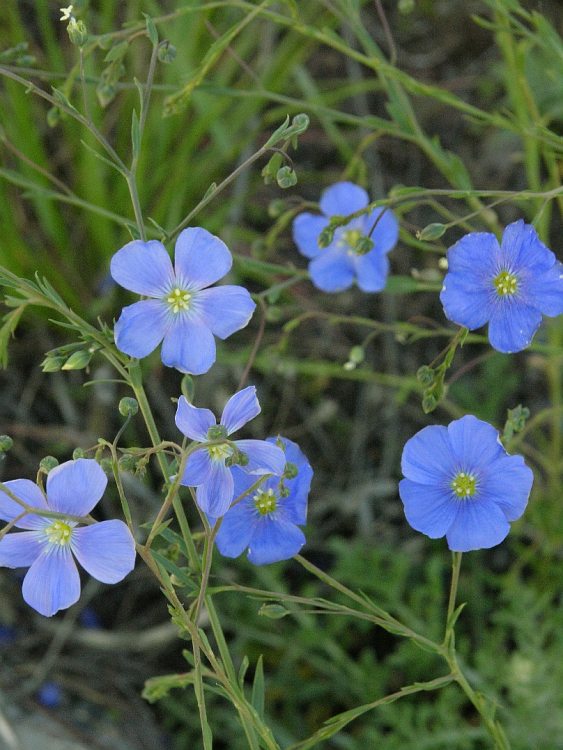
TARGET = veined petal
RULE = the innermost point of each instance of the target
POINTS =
(294, 506)
(475, 255)
(201, 258)
(521, 248)
(20, 549)
(306, 231)
(545, 291)
(225, 309)
(429, 509)
(479, 524)
(508, 483)
(466, 299)
(274, 539)
(52, 582)
(332, 270)
(263, 457)
(198, 469)
(512, 326)
(141, 327)
(30, 493)
(189, 346)
(75, 487)
(475, 443)
(143, 267)
(342, 199)
(192, 421)
(237, 528)
(106, 550)
(386, 232)
(371, 270)
(215, 496)
(240, 409)
(428, 457)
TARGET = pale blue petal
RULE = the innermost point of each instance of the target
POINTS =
(215, 496)
(545, 291)
(237, 528)
(508, 482)
(428, 457)
(332, 270)
(480, 524)
(192, 421)
(475, 443)
(30, 493)
(476, 255)
(274, 539)
(306, 231)
(342, 199)
(225, 309)
(52, 582)
(201, 258)
(75, 487)
(240, 409)
(144, 268)
(20, 549)
(521, 248)
(294, 507)
(198, 469)
(467, 299)
(429, 509)
(386, 232)
(263, 457)
(141, 327)
(512, 326)
(371, 270)
(189, 346)
(106, 550)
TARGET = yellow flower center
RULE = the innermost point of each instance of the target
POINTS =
(179, 300)
(59, 533)
(219, 452)
(506, 283)
(265, 502)
(351, 237)
(464, 485)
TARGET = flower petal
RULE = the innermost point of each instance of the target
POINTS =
(192, 421)
(201, 258)
(428, 457)
(476, 255)
(480, 524)
(189, 346)
(294, 506)
(466, 299)
(30, 493)
(343, 198)
(198, 469)
(237, 528)
(240, 409)
(215, 496)
(274, 539)
(306, 231)
(106, 550)
(20, 550)
(75, 487)
(371, 270)
(143, 267)
(508, 481)
(429, 509)
(141, 327)
(52, 582)
(545, 291)
(332, 270)
(475, 443)
(512, 326)
(386, 232)
(263, 457)
(225, 309)
(521, 248)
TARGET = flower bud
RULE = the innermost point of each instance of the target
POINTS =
(78, 453)
(286, 177)
(77, 32)
(128, 407)
(47, 464)
(166, 52)
(78, 360)
(6, 443)
(290, 471)
(425, 375)
(52, 363)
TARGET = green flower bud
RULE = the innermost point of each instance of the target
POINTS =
(357, 355)
(107, 466)
(6, 443)
(47, 464)
(286, 177)
(429, 403)
(326, 236)
(52, 363)
(128, 407)
(425, 375)
(78, 453)
(127, 462)
(78, 360)
(363, 246)
(77, 32)
(166, 52)
(431, 232)
(290, 471)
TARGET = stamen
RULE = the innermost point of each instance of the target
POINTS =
(265, 502)
(506, 283)
(59, 533)
(179, 300)
(219, 452)
(464, 485)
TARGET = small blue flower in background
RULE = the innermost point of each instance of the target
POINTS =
(210, 468)
(334, 268)
(461, 483)
(266, 522)
(106, 550)
(182, 311)
(50, 695)
(509, 286)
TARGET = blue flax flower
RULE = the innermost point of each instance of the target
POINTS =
(462, 483)
(106, 550)
(509, 286)
(181, 309)
(266, 521)
(348, 257)
(210, 468)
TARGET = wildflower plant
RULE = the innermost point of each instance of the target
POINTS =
(466, 481)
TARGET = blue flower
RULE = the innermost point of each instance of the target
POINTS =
(335, 267)
(462, 483)
(106, 550)
(266, 522)
(210, 468)
(509, 286)
(182, 310)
